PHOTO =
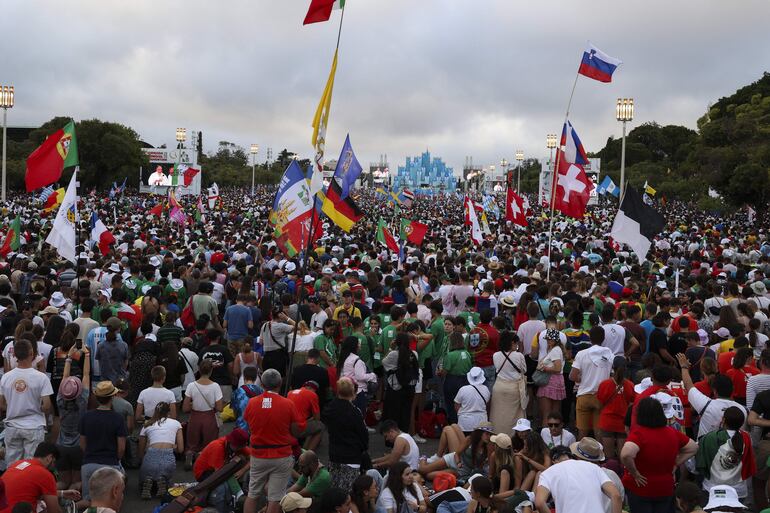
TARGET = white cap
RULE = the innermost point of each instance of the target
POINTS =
(522, 425)
(723, 496)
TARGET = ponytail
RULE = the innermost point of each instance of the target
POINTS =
(733, 419)
(737, 442)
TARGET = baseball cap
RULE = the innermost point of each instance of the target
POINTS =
(293, 501)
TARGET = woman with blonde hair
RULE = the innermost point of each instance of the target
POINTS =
(246, 358)
(304, 343)
(551, 394)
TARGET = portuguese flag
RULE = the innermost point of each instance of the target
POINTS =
(45, 164)
(385, 237)
(11, 242)
(413, 231)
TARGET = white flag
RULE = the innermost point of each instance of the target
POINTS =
(213, 195)
(476, 236)
(62, 235)
(316, 182)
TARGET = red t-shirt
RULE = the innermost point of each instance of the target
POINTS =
(27, 481)
(658, 448)
(725, 361)
(483, 358)
(306, 402)
(705, 388)
(270, 417)
(614, 405)
(212, 457)
(654, 389)
(740, 377)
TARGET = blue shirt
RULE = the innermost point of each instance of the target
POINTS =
(240, 400)
(237, 318)
(648, 328)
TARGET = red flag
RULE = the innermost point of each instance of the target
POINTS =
(515, 211)
(319, 10)
(189, 174)
(414, 231)
(157, 210)
(572, 190)
(46, 163)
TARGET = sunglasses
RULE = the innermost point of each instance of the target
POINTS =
(554, 425)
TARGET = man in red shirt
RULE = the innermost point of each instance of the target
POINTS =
(32, 480)
(482, 356)
(305, 399)
(213, 457)
(274, 424)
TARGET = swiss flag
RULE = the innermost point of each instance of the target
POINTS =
(573, 188)
(515, 210)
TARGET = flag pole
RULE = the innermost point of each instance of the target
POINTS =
(555, 174)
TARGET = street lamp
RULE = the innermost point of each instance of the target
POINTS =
(6, 102)
(254, 151)
(181, 137)
(519, 159)
(624, 112)
(550, 143)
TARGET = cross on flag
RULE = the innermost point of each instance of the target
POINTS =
(573, 188)
(515, 211)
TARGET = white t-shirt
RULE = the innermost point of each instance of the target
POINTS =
(527, 332)
(162, 432)
(711, 417)
(553, 356)
(190, 359)
(412, 458)
(204, 397)
(571, 479)
(389, 502)
(305, 342)
(473, 409)
(23, 390)
(505, 369)
(594, 364)
(317, 320)
(542, 343)
(614, 338)
(565, 438)
(150, 397)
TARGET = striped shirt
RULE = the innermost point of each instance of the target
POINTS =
(756, 384)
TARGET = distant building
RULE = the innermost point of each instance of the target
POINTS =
(424, 175)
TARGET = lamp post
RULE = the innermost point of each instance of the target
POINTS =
(6, 102)
(181, 137)
(519, 159)
(624, 112)
(504, 168)
(254, 151)
(550, 143)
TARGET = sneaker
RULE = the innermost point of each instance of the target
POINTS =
(433, 459)
(146, 489)
(188, 461)
(419, 439)
(162, 487)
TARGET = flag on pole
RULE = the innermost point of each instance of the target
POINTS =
(292, 210)
(572, 190)
(514, 209)
(12, 238)
(100, 235)
(44, 193)
(321, 118)
(597, 64)
(199, 211)
(636, 223)
(342, 211)
(113, 190)
(321, 10)
(348, 168)
(157, 210)
(608, 187)
(386, 238)
(406, 197)
(573, 148)
(472, 220)
(648, 189)
(413, 231)
(45, 164)
(62, 235)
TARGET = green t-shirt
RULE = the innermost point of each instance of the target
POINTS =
(324, 343)
(427, 352)
(388, 336)
(318, 484)
(376, 342)
(458, 362)
(436, 329)
(363, 351)
(471, 317)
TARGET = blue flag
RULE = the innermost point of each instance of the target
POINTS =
(348, 169)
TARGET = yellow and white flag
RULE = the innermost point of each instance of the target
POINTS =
(321, 118)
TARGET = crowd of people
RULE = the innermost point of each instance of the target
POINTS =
(569, 378)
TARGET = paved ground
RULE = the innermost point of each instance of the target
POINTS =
(133, 504)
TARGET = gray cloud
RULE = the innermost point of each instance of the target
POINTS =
(477, 78)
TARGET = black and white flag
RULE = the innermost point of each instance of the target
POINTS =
(636, 223)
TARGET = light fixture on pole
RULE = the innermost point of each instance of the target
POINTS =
(504, 168)
(254, 151)
(519, 159)
(624, 112)
(181, 137)
(550, 143)
(6, 102)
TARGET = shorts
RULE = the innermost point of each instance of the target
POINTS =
(763, 453)
(70, 458)
(451, 462)
(177, 394)
(612, 434)
(273, 472)
(587, 409)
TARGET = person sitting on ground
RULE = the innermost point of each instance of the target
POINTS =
(314, 479)
(149, 398)
(213, 457)
(108, 487)
(159, 439)
(404, 447)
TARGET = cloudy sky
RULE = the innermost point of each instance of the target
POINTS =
(480, 78)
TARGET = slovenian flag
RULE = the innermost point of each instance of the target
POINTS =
(598, 65)
(573, 148)
(100, 235)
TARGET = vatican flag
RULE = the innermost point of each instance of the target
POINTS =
(321, 118)
(62, 235)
